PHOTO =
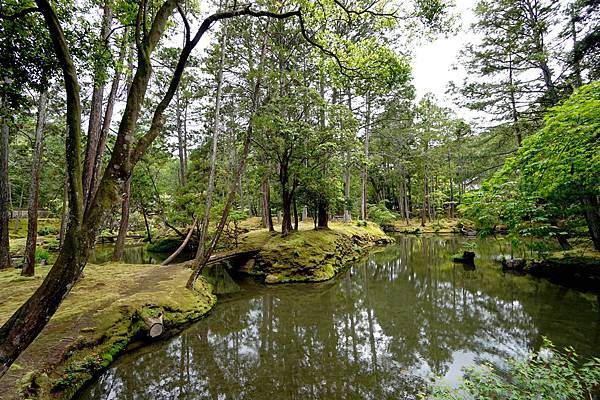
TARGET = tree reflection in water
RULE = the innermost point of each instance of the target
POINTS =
(380, 331)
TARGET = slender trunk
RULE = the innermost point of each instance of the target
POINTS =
(95, 122)
(180, 139)
(591, 209)
(34, 190)
(425, 207)
(213, 157)
(182, 246)
(364, 176)
(295, 214)
(124, 224)
(108, 114)
(267, 219)
(5, 261)
(347, 215)
(145, 215)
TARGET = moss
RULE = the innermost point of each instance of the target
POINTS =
(309, 255)
(437, 226)
(101, 315)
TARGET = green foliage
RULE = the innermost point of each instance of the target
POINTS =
(538, 193)
(380, 214)
(548, 374)
(48, 230)
(41, 254)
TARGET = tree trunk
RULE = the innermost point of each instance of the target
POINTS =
(267, 218)
(347, 215)
(182, 246)
(591, 209)
(323, 214)
(5, 261)
(213, 157)
(145, 215)
(286, 220)
(65, 210)
(34, 190)
(124, 224)
(364, 175)
(295, 214)
(95, 122)
(180, 140)
(108, 114)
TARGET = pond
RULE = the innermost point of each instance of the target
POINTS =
(381, 330)
(133, 254)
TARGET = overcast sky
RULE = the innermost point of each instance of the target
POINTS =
(433, 63)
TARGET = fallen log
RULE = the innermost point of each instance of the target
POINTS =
(183, 245)
(155, 325)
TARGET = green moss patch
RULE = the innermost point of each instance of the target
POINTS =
(96, 322)
(309, 255)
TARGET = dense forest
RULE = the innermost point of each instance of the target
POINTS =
(176, 123)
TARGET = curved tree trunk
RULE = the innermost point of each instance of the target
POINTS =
(183, 245)
(34, 190)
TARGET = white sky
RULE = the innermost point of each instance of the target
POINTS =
(434, 62)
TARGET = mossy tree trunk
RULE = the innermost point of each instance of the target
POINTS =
(34, 190)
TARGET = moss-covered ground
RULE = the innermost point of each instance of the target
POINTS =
(414, 226)
(95, 322)
(308, 255)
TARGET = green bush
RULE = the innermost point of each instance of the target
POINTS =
(381, 215)
(41, 254)
(48, 230)
(548, 374)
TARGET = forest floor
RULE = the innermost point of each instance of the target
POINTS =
(95, 322)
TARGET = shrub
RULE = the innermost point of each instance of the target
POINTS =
(48, 230)
(381, 215)
(41, 254)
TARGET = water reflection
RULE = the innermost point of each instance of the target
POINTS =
(377, 332)
(133, 254)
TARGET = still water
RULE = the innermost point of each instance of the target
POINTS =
(379, 331)
(133, 254)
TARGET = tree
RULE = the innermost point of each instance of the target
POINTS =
(556, 174)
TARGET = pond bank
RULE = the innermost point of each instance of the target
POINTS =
(308, 255)
(103, 313)
(572, 269)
